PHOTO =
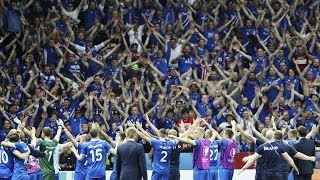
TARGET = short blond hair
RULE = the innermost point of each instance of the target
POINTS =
(131, 133)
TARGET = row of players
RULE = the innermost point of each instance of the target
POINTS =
(92, 152)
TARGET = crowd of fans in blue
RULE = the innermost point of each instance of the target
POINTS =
(111, 62)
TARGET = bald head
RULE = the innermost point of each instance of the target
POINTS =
(270, 134)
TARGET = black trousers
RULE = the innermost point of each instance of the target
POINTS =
(276, 176)
(174, 174)
(303, 177)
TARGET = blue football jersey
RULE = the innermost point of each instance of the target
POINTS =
(96, 152)
(214, 153)
(162, 153)
(20, 170)
(6, 162)
(81, 166)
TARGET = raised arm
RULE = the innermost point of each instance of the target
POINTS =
(184, 140)
(153, 127)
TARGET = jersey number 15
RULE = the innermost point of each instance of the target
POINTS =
(96, 155)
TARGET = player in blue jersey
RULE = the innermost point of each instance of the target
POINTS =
(214, 153)
(120, 137)
(81, 168)
(161, 150)
(6, 163)
(19, 169)
(214, 150)
(96, 151)
(201, 152)
(7, 156)
(227, 152)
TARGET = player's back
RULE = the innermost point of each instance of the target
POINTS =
(228, 151)
(175, 156)
(162, 153)
(6, 162)
(46, 163)
(81, 166)
(271, 157)
(20, 164)
(96, 152)
(20, 170)
(214, 153)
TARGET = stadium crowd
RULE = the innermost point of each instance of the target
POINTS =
(117, 63)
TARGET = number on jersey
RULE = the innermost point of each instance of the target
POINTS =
(164, 158)
(4, 157)
(50, 155)
(96, 155)
(215, 152)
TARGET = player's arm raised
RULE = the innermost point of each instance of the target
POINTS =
(58, 135)
(96, 126)
(246, 135)
(155, 130)
(105, 135)
(262, 138)
(184, 140)
(215, 134)
(69, 135)
(142, 133)
(191, 128)
(79, 157)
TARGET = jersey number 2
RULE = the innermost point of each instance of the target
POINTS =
(165, 154)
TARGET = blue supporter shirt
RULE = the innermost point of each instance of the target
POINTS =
(185, 63)
(249, 89)
(171, 13)
(90, 16)
(273, 91)
(162, 65)
(201, 107)
(50, 54)
(76, 124)
(246, 32)
(13, 20)
(162, 153)
(264, 34)
(260, 61)
(167, 123)
(3, 134)
(136, 119)
(287, 83)
(96, 152)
